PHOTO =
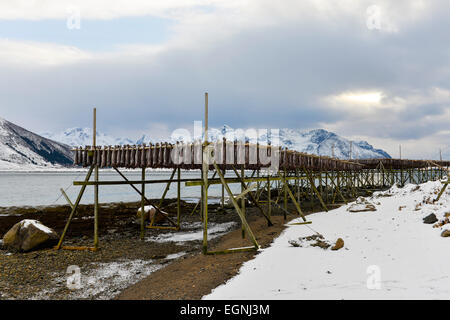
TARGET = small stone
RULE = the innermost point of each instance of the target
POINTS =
(430, 219)
(294, 243)
(338, 245)
(445, 233)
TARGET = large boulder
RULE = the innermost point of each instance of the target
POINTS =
(28, 235)
(149, 213)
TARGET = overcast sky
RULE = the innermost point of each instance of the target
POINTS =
(367, 70)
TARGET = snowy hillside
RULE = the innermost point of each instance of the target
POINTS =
(319, 141)
(389, 253)
(21, 149)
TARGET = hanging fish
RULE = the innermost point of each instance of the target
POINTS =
(149, 155)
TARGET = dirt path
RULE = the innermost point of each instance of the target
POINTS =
(194, 276)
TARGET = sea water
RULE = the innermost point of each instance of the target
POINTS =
(43, 188)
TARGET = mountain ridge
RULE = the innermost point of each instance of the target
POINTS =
(22, 149)
(316, 141)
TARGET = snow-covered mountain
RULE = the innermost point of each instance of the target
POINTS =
(22, 149)
(83, 137)
(318, 141)
(325, 143)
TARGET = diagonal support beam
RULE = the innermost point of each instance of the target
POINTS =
(236, 206)
(146, 199)
(162, 200)
(299, 210)
(67, 198)
(337, 188)
(315, 189)
(200, 200)
(253, 199)
(246, 191)
(442, 191)
(74, 208)
(167, 188)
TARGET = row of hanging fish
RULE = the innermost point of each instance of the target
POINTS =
(226, 154)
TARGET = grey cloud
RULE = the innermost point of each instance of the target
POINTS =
(272, 77)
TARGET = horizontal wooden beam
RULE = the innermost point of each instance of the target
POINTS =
(115, 182)
(299, 223)
(232, 250)
(193, 183)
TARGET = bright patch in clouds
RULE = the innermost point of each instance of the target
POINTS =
(366, 98)
(363, 101)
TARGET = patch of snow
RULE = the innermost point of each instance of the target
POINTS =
(388, 254)
(175, 255)
(104, 280)
(214, 231)
(361, 205)
(147, 209)
(26, 222)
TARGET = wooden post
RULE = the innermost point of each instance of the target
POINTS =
(284, 193)
(143, 205)
(94, 136)
(94, 129)
(223, 193)
(243, 202)
(269, 198)
(178, 198)
(206, 116)
(205, 167)
(96, 209)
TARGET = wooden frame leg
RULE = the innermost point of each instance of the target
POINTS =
(74, 208)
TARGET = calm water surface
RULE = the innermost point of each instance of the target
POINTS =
(43, 188)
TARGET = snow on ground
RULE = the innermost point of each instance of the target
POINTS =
(214, 230)
(101, 280)
(388, 254)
